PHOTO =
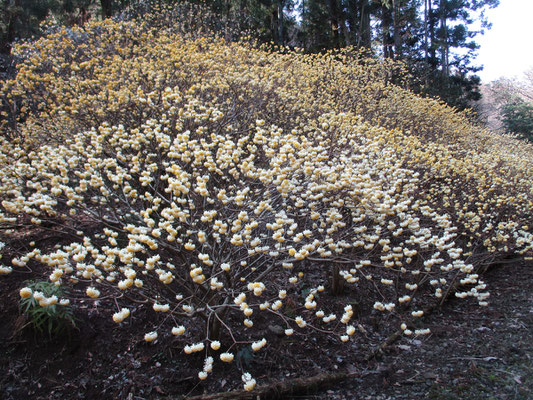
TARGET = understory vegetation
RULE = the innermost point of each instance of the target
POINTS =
(230, 187)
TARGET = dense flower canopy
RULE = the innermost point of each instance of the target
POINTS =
(216, 180)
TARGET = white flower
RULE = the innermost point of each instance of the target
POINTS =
(248, 311)
(118, 318)
(225, 267)
(256, 346)
(248, 323)
(277, 305)
(178, 330)
(310, 305)
(249, 382)
(150, 336)
(5, 270)
(227, 357)
(301, 322)
(202, 375)
(198, 347)
(92, 292)
(239, 299)
(38, 296)
(161, 307)
(250, 385)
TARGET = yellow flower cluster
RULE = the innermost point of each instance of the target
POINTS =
(228, 173)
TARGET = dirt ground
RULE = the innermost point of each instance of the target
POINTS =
(483, 353)
(472, 353)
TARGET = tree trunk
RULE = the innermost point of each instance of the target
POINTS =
(11, 32)
(5, 47)
(366, 36)
(107, 8)
(344, 27)
(426, 49)
(274, 24)
(444, 44)
(431, 33)
(386, 24)
(353, 22)
(335, 22)
(281, 40)
(361, 10)
(337, 281)
(397, 33)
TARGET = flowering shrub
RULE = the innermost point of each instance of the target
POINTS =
(46, 307)
(219, 183)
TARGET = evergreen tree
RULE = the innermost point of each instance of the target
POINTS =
(517, 117)
(449, 49)
(21, 19)
(358, 17)
(316, 33)
(400, 28)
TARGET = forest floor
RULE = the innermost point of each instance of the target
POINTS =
(472, 353)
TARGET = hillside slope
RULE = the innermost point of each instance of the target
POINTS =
(216, 196)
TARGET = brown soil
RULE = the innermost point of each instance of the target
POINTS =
(472, 353)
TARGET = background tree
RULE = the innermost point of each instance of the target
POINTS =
(517, 117)
(21, 19)
(316, 30)
(508, 105)
(358, 17)
(449, 48)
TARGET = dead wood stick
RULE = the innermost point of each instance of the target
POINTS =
(279, 390)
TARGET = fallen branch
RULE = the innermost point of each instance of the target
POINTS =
(280, 390)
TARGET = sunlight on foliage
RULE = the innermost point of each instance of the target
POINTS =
(216, 182)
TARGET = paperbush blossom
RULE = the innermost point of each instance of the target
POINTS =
(227, 357)
(214, 180)
(249, 382)
(121, 315)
